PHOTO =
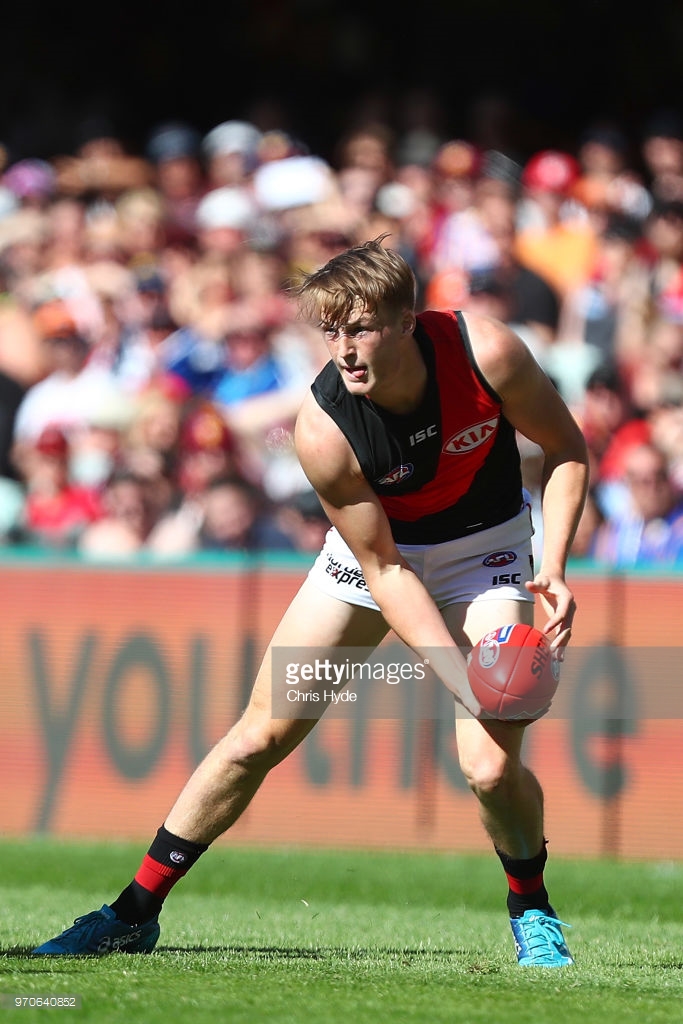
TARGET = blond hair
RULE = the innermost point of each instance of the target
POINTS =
(365, 277)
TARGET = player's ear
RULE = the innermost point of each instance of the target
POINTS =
(408, 322)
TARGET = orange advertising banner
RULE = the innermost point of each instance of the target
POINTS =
(117, 682)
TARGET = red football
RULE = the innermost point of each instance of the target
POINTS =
(513, 673)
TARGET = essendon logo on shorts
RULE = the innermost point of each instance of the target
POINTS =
(471, 437)
(349, 574)
(394, 476)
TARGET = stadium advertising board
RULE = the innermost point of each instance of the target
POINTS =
(116, 683)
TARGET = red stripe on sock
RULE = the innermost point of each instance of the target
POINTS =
(158, 878)
(524, 886)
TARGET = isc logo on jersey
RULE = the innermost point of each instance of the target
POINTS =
(394, 476)
(471, 437)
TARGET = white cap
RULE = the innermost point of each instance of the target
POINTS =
(396, 200)
(232, 137)
(294, 181)
(228, 207)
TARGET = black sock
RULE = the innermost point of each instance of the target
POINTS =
(168, 859)
(525, 880)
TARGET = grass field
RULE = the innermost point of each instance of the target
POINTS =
(301, 937)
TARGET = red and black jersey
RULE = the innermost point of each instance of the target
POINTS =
(451, 467)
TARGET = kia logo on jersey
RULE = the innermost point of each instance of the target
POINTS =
(499, 558)
(394, 476)
(471, 437)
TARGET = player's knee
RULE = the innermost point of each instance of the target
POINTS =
(252, 745)
(486, 776)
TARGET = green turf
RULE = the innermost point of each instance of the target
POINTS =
(301, 937)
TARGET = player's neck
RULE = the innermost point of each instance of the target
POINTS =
(403, 392)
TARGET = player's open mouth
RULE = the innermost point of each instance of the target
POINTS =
(354, 372)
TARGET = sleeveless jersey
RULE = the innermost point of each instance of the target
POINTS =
(451, 467)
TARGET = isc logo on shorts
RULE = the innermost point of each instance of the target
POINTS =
(471, 437)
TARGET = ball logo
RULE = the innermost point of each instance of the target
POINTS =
(471, 437)
(489, 652)
(499, 558)
(395, 476)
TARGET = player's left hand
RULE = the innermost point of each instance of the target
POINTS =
(559, 603)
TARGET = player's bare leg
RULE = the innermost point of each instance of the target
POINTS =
(224, 783)
(510, 799)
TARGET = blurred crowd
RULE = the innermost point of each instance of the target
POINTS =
(152, 363)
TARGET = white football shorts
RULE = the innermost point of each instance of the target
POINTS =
(490, 565)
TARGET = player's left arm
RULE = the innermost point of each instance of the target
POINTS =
(532, 404)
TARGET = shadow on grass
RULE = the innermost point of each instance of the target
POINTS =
(258, 952)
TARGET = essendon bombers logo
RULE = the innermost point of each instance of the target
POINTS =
(471, 437)
(394, 476)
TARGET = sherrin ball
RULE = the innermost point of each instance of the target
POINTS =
(513, 673)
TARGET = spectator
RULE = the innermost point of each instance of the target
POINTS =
(207, 448)
(22, 242)
(206, 452)
(150, 444)
(369, 147)
(223, 219)
(649, 527)
(140, 226)
(661, 361)
(11, 397)
(199, 302)
(607, 184)
(32, 182)
(139, 356)
(665, 420)
(228, 514)
(588, 532)
(600, 312)
(231, 153)
(100, 167)
(251, 365)
(555, 238)
(268, 372)
(123, 528)
(464, 240)
(664, 232)
(659, 296)
(662, 150)
(235, 519)
(609, 426)
(534, 303)
(174, 149)
(302, 519)
(56, 511)
(73, 389)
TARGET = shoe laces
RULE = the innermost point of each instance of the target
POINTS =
(92, 919)
(543, 934)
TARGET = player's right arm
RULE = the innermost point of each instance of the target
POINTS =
(355, 510)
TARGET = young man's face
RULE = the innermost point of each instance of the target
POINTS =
(366, 350)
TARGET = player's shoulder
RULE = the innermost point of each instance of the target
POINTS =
(320, 444)
(498, 351)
